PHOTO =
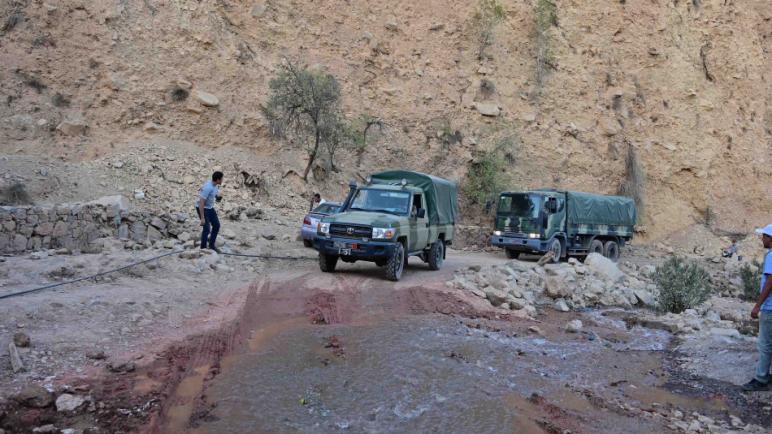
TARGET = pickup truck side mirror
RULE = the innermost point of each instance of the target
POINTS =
(421, 213)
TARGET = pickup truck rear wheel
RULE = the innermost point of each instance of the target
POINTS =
(512, 254)
(596, 246)
(327, 263)
(396, 264)
(436, 255)
(557, 249)
(611, 250)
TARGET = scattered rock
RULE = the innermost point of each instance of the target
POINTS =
(268, 236)
(16, 363)
(73, 127)
(487, 109)
(45, 429)
(69, 403)
(562, 306)
(34, 396)
(21, 340)
(96, 355)
(139, 194)
(645, 297)
(206, 99)
(121, 366)
(574, 326)
(258, 10)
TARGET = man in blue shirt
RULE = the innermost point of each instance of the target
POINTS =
(763, 311)
(207, 195)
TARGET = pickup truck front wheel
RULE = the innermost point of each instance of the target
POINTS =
(396, 264)
(327, 263)
(436, 255)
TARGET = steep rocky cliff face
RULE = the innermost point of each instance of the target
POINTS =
(684, 83)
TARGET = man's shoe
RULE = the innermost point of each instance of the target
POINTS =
(755, 386)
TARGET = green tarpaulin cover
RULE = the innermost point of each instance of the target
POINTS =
(441, 194)
(595, 209)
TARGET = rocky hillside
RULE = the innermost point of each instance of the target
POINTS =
(567, 88)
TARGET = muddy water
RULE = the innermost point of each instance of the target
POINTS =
(434, 373)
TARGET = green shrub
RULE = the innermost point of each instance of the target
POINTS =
(634, 183)
(546, 17)
(682, 285)
(751, 277)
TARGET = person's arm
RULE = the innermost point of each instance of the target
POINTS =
(201, 202)
(762, 297)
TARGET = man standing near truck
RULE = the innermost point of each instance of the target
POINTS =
(763, 311)
(207, 195)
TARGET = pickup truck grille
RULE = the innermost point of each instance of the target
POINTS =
(351, 231)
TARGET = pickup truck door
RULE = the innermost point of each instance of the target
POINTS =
(419, 227)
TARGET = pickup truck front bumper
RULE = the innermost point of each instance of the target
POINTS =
(355, 250)
(522, 245)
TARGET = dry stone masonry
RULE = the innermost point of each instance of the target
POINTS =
(79, 227)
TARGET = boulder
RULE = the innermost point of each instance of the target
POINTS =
(574, 326)
(69, 403)
(496, 296)
(562, 306)
(487, 109)
(21, 340)
(34, 396)
(604, 267)
(645, 297)
(206, 99)
(74, 126)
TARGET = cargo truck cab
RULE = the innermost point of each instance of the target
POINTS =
(562, 222)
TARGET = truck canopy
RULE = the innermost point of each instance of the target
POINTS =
(441, 194)
(596, 209)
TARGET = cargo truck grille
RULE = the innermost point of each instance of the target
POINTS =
(351, 231)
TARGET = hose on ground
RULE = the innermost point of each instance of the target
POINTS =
(135, 264)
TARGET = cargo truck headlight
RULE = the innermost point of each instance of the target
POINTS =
(323, 228)
(383, 233)
(534, 235)
(497, 233)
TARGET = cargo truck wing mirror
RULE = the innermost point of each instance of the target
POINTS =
(421, 213)
(552, 205)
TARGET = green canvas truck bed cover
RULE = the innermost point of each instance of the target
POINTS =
(441, 194)
(596, 209)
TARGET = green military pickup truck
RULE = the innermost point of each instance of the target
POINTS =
(566, 223)
(395, 215)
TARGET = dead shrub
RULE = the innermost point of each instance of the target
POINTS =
(179, 94)
(15, 194)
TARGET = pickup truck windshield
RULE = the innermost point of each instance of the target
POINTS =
(520, 205)
(374, 200)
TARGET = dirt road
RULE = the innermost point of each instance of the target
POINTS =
(303, 351)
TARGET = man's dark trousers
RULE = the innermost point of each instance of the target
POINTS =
(211, 223)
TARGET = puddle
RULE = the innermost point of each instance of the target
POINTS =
(427, 373)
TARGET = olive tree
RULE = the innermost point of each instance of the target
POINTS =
(305, 103)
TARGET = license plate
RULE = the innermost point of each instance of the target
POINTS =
(344, 252)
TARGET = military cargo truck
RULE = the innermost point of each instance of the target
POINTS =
(395, 215)
(566, 223)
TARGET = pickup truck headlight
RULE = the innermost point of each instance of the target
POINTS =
(323, 228)
(497, 233)
(383, 233)
(534, 235)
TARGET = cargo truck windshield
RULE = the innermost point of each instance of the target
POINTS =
(374, 200)
(519, 213)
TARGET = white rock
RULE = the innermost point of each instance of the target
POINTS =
(487, 109)
(574, 326)
(66, 402)
(729, 333)
(562, 306)
(603, 266)
(118, 201)
(645, 297)
(74, 126)
(139, 194)
(206, 99)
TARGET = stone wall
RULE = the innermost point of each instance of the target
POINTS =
(79, 227)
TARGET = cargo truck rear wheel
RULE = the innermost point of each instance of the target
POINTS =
(512, 254)
(557, 249)
(436, 255)
(396, 263)
(327, 263)
(611, 250)
(596, 246)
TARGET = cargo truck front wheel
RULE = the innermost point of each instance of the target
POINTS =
(611, 250)
(436, 255)
(327, 263)
(557, 249)
(396, 264)
(512, 254)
